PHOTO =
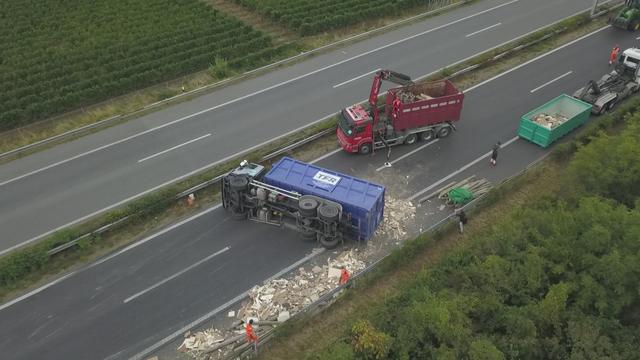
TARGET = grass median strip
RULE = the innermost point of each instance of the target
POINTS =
(30, 266)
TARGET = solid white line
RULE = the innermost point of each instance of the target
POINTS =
(481, 30)
(638, 38)
(175, 275)
(551, 81)
(256, 92)
(173, 148)
(355, 78)
(537, 58)
(33, 292)
(414, 196)
(220, 308)
(408, 154)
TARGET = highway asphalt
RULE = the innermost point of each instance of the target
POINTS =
(131, 300)
(78, 179)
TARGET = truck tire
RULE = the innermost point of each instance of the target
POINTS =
(238, 183)
(328, 212)
(427, 135)
(308, 236)
(411, 139)
(365, 148)
(308, 206)
(238, 215)
(329, 242)
(444, 132)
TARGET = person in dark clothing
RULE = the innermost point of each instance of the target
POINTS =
(462, 220)
(494, 153)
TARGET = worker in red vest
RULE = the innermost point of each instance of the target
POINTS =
(614, 54)
(344, 276)
(251, 335)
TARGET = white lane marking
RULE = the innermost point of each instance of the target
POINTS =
(408, 154)
(355, 78)
(537, 58)
(481, 30)
(331, 153)
(551, 81)
(138, 294)
(134, 245)
(414, 196)
(173, 148)
(257, 92)
(638, 38)
(220, 308)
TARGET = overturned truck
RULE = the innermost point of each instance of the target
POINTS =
(322, 205)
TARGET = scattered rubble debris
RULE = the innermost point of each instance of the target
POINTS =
(396, 214)
(278, 299)
(549, 121)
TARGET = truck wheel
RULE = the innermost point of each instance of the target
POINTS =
(329, 242)
(238, 183)
(427, 135)
(329, 212)
(308, 206)
(411, 139)
(365, 148)
(308, 236)
(444, 132)
(238, 215)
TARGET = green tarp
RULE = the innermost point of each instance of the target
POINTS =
(460, 196)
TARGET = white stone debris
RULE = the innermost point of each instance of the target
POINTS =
(201, 340)
(396, 214)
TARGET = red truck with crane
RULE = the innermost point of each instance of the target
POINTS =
(413, 111)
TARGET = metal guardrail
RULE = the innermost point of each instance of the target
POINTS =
(328, 298)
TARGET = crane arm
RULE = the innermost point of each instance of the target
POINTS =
(388, 75)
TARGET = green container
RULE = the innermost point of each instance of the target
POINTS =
(577, 113)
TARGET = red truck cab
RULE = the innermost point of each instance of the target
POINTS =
(355, 129)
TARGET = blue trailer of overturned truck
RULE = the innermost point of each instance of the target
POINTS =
(320, 204)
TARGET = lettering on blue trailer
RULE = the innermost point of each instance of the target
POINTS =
(326, 179)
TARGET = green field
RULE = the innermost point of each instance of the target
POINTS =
(310, 17)
(60, 55)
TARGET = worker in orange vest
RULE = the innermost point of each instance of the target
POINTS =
(614, 54)
(251, 335)
(344, 276)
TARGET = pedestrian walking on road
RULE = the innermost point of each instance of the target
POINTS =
(251, 335)
(344, 276)
(462, 220)
(494, 153)
(613, 57)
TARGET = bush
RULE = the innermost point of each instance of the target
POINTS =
(368, 342)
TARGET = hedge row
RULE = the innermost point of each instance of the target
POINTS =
(310, 17)
(61, 55)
